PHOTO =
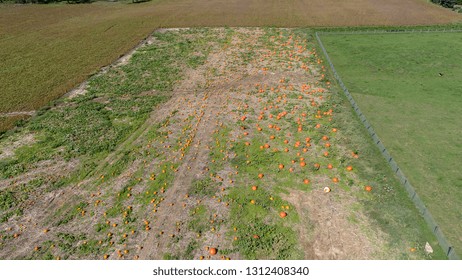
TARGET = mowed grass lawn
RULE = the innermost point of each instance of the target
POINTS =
(45, 50)
(396, 81)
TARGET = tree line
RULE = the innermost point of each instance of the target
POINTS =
(447, 3)
(46, 1)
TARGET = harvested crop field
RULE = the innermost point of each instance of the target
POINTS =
(244, 152)
(43, 57)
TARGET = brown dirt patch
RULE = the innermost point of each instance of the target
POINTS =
(325, 231)
(7, 151)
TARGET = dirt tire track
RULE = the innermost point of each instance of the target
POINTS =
(211, 94)
(168, 216)
(193, 165)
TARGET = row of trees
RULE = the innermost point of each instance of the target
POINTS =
(447, 3)
(46, 1)
(55, 1)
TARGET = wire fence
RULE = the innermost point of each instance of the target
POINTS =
(445, 245)
(388, 31)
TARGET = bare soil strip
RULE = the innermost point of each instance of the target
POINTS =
(12, 114)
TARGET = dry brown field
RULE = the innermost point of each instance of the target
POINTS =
(46, 50)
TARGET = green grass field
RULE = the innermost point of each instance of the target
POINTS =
(396, 81)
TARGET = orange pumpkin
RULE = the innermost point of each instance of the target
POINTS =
(282, 214)
(213, 251)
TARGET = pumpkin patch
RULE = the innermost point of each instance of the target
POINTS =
(247, 154)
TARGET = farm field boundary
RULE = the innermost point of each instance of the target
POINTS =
(444, 243)
(86, 37)
(384, 31)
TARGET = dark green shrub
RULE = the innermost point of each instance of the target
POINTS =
(446, 3)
